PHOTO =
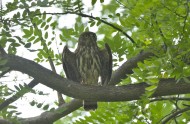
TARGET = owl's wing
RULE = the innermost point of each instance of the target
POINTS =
(69, 65)
(106, 62)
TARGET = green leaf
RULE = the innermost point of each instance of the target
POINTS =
(44, 16)
(101, 1)
(46, 27)
(110, 16)
(98, 23)
(62, 38)
(39, 105)
(54, 24)
(33, 4)
(37, 40)
(46, 107)
(43, 24)
(93, 2)
(26, 31)
(49, 19)
(28, 45)
(32, 103)
(31, 39)
(151, 88)
(46, 35)
(17, 88)
(20, 86)
(92, 24)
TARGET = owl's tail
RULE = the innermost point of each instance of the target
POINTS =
(90, 105)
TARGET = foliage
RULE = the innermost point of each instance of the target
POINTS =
(159, 26)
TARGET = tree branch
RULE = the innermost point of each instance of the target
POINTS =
(97, 93)
(175, 114)
(75, 103)
(108, 93)
(126, 68)
(50, 117)
(169, 98)
(3, 121)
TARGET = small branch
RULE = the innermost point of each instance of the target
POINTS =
(121, 3)
(170, 98)
(50, 117)
(17, 95)
(175, 114)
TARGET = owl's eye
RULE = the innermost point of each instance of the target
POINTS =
(86, 36)
(93, 35)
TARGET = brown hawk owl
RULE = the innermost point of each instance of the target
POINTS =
(87, 64)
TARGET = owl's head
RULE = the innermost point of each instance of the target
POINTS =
(87, 39)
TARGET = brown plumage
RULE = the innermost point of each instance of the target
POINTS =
(88, 63)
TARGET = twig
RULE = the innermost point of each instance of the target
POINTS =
(121, 3)
(171, 98)
(175, 114)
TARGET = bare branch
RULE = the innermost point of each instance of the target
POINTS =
(98, 93)
(75, 103)
(107, 93)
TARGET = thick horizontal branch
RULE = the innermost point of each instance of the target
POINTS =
(75, 104)
(3, 121)
(97, 93)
